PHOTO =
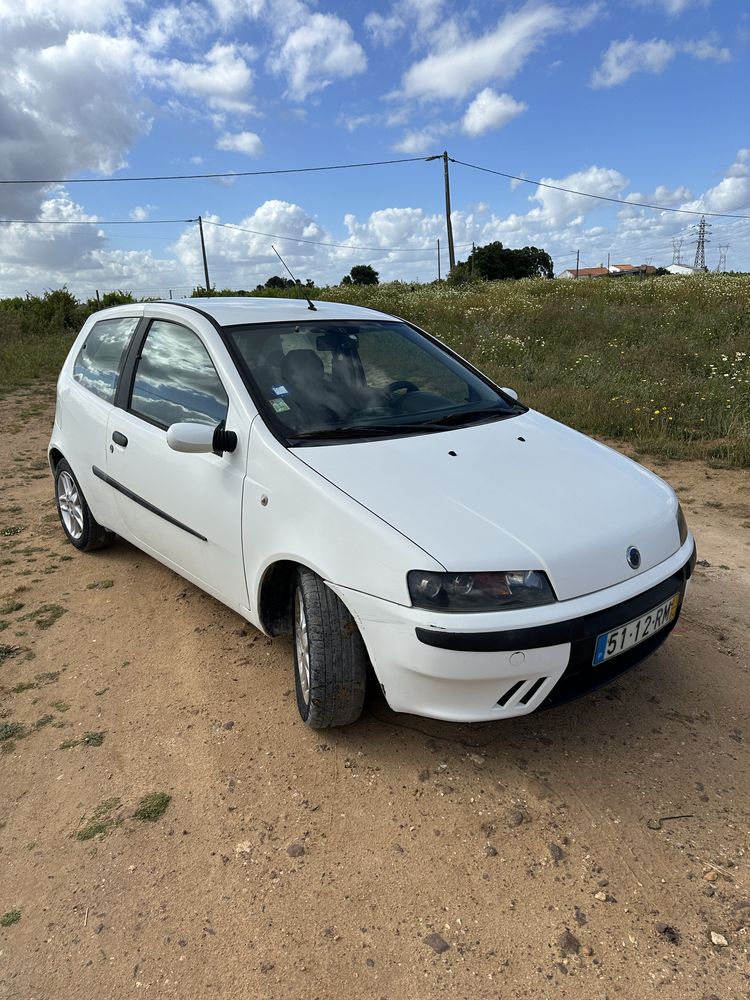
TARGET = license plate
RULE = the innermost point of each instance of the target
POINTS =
(613, 643)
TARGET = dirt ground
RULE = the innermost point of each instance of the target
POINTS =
(398, 858)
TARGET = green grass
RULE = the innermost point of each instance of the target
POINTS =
(7, 652)
(100, 585)
(152, 807)
(90, 739)
(11, 730)
(662, 364)
(10, 607)
(9, 918)
(102, 820)
(45, 616)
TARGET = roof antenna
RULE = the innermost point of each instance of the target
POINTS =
(297, 284)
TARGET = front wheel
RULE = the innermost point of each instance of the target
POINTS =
(329, 655)
(79, 524)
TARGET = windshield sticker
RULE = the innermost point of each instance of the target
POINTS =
(279, 390)
(279, 405)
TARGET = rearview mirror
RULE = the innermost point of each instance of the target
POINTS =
(510, 392)
(197, 438)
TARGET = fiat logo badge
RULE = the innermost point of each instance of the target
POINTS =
(634, 557)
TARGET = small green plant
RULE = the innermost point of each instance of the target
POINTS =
(43, 721)
(92, 739)
(13, 530)
(10, 607)
(7, 652)
(8, 747)
(9, 918)
(46, 615)
(102, 820)
(59, 706)
(152, 807)
(47, 678)
(23, 686)
(100, 585)
(11, 730)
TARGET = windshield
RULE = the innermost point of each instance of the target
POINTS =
(320, 381)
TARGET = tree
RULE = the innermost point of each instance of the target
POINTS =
(276, 282)
(494, 262)
(361, 274)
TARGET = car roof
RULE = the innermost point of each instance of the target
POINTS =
(233, 311)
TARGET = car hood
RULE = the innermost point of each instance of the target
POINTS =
(521, 493)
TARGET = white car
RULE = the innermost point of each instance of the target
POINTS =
(335, 473)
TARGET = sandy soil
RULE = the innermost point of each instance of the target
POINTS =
(291, 864)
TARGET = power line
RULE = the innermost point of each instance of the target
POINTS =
(92, 222)
(318, 243)
(600, 197)
(216, 175)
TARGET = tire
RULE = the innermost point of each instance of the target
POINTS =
(330, 658)
(79, 524)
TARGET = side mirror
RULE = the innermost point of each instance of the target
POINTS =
(510, 392)
(201, 438)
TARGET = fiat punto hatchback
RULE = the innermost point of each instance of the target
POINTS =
(336, 474)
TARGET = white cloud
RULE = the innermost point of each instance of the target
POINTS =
(706, 48)
(623, 59)
(456, 69)
(425, 16)
(560, 208)
(242, 142)
(674, 7)
(418, 141)
(490, 111)
(316, 52)
(141, 212)
(222, 78)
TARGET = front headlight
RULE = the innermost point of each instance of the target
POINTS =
(681, 526)
(464, 592)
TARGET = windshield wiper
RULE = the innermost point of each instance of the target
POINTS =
(363, 431)
(392, 430)
(469, 416)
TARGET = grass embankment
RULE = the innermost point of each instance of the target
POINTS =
(663, 363)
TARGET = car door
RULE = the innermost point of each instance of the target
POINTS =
(185, 509)
(85, 400)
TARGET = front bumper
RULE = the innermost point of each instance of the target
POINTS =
(471, 668)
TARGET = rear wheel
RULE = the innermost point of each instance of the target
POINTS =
(79, 524)
(329, 655)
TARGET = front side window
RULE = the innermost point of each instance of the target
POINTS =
(175, 380)
(99, 361)
(319, 381)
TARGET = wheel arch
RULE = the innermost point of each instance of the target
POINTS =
(54, 457)
(275, 596)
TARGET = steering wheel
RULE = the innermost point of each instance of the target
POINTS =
(401, 384)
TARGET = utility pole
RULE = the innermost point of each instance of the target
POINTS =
(578, 261)
(203, 251)
(438, 243)
(676, 250)
(473, 251)
(608, 256)
(722, 265)
(448, 223)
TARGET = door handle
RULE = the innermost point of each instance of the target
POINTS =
(120, 439)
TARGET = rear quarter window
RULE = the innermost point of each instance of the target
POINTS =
(100, 360)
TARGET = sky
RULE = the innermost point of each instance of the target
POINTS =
(644, 102)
